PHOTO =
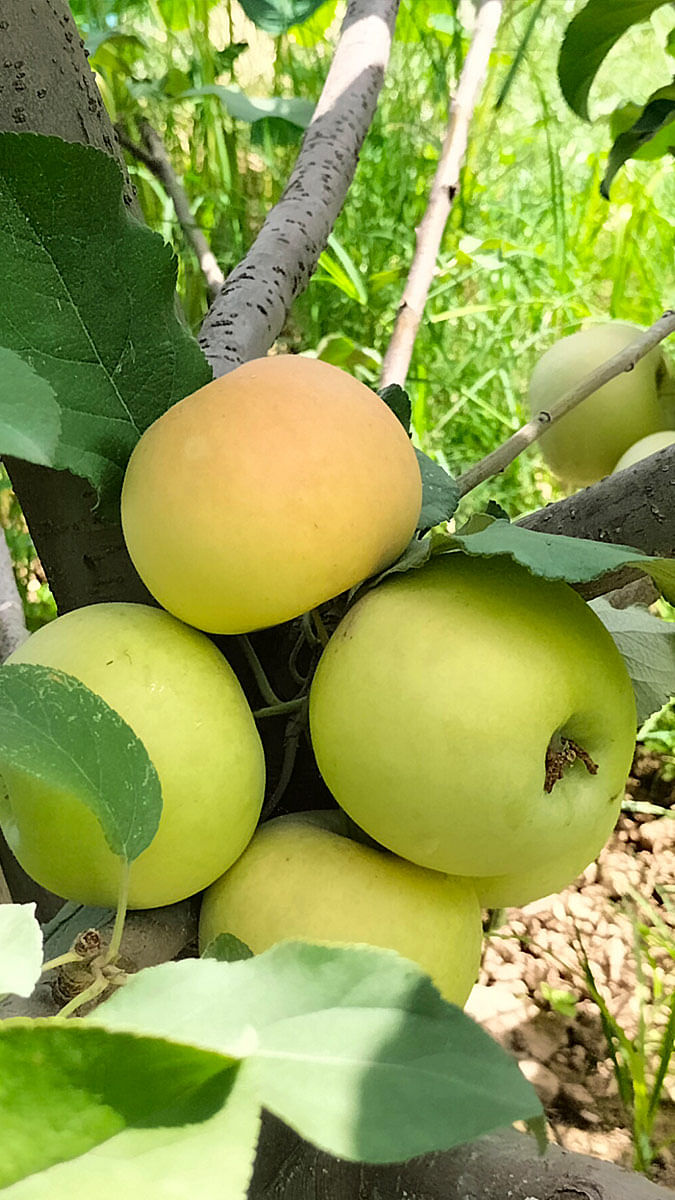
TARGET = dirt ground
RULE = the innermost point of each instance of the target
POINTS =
(533, 967)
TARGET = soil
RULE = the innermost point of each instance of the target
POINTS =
(533, 997)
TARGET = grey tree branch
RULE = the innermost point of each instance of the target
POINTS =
(625, 360)
(504, 1165)
(443, 191)
(251, 309)
(155, 157)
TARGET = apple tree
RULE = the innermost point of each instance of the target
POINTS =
(164, 1083)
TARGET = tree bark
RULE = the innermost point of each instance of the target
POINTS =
(504, 1166)
(251, 309)
(48, 87)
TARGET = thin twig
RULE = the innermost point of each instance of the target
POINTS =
(443, 191)
(625, 360)
(154, 156)
(250, 311)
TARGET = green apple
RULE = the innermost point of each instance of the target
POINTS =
(301, 878)
(477, 720)
(181, 698)
(646, 446)
(584, 445)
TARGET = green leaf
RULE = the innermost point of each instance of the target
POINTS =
(30, 418)
(520, 54)
(576, 560)
(344, 273)
(589, 38)
(440, 494)
(398, 400)
(20, 949)
(54, 729)
(101, 37)
(161, 1163)
(657, 115)
(277, 16)
(352, 1047)
(647, 645)
(342, 351)
(65, 1088)
(88, 303)
(227, 948)
(251, 109)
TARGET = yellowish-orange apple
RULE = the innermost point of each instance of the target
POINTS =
(268, 492)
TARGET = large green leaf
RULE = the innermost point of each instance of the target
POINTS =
(67, 1087)
(88, 302)
(589, 38)
(352, 1047)
(647, 645)
(20, 949)
(162, 1163)
(576, 560)
(54, 729)
(657, 116)
(277, 16)
(30, 418)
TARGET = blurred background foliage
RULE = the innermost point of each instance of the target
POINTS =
(532, 249)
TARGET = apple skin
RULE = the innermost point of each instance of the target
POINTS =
(434, 704)
(645, 447)
(267, 492)
(584, 445)
(300, 878)
(181, 698)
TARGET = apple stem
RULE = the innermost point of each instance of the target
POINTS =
(265, 687)
(276, 710)
(120, 916)
(321, 630)
(95, 989)
(561, 756)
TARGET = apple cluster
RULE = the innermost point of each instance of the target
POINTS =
(474, 723)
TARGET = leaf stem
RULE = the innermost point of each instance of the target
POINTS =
(70, 957)
(122, 903)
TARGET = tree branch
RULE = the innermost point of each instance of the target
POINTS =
(625, 360)
(506, 1164)
(251, 309)
(443, 191)
(154, 156)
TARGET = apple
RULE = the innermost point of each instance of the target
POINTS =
(585, 444)
(476, 719)
(268, 492)
(181, 698)
(645, 447)
(301, 878)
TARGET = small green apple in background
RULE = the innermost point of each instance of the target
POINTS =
(584, 445)
(646, 446)
(181, 698)
(268, 492)
(301, 878)
(451, 698)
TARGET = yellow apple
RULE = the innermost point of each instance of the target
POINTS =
(181, 698)
(447, 702)
(584, 445)
(268, 492)
(300, 878)
(646, 446)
